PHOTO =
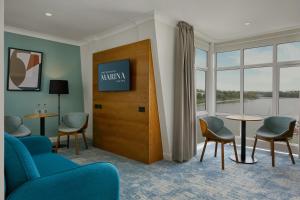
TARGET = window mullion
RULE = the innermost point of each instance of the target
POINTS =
(242, 82)
(275, 87)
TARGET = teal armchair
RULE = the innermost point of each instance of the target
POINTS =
(213, 130)
(276, 128)
(14, 125)
(33, 172)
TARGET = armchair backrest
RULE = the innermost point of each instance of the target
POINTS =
(76, 120)
(281, 125)
(12, 123)
(210, 124)
(18, 163)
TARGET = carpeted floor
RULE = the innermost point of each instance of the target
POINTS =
(195, 180)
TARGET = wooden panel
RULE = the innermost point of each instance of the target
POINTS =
(118, 126)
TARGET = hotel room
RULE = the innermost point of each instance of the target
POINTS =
(149, 99)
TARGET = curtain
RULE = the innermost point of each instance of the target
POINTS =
(184, 137)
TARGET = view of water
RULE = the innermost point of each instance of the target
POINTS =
(262, 107)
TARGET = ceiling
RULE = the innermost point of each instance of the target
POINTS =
(218, 19)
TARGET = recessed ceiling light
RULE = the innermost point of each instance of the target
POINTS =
(48, 14)
(247, 23)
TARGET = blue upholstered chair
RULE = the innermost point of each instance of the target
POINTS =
(73, 124)
(33, 172)
(14, 125)
(213, 130)
(274, 129)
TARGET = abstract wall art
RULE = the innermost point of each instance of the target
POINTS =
(24, 70)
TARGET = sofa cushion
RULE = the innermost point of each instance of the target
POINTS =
(19, 165)
(49, 164)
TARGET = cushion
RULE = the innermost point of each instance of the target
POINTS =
(19, 165)
(49, 164)
(66, 129)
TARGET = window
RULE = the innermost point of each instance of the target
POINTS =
(200, 90)
(228, 91)
(200, 78)
(288, 52)
(200, 58)
(228, 59)
(247, 87)
(258, 55)
(258, 91)
(289, 101)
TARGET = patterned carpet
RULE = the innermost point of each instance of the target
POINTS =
(195, 180)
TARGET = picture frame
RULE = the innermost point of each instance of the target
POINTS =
(24, 70)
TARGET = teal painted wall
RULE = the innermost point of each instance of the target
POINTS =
(60, 61)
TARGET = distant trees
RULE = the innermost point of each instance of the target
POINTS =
(227, 95)
(289, 94)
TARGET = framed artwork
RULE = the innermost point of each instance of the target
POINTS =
(24, 70)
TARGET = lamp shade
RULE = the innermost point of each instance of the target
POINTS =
(58, 87)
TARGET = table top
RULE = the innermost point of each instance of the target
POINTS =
(244, 118)
(40, 115)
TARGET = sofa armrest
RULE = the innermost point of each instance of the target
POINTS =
(37, 144)
(98, 181)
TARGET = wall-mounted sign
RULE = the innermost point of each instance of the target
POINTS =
(114, 76)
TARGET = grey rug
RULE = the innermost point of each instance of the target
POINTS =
(196, 180)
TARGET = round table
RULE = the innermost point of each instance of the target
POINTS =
(42, 117)
(243, 119)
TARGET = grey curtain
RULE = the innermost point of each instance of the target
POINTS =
(184, 137)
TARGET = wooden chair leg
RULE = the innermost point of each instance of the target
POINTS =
(57, 143)
(273, 153)
(84, 139)
(76, 144)
(204, 147)
(68, 141)
(222, 156)
(216, 149)
(254, 146)
(235, 151)
(290, 151)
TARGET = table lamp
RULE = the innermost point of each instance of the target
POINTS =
(58, 87)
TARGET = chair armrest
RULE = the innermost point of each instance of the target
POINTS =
(98, 181)
(37, 144)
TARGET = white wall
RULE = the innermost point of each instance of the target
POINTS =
(1, 99)
(165, 39)
(159, 33)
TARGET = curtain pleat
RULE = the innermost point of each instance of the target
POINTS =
(184, 137)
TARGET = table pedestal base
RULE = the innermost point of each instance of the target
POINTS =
(248, 160)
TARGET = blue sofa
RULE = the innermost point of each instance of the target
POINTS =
(33, 172)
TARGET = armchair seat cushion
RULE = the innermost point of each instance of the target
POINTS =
(66, 129)
(225, 134)
(49, 164)
(266, 133)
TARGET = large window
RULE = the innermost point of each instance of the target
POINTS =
(288, 52)
(289, 102)
(228, 59)
(228, 91)
(252, 81)
(258, 91)
(258, 55)
(200, 77)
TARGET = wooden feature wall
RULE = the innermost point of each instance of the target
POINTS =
(119, 127)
